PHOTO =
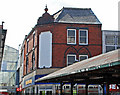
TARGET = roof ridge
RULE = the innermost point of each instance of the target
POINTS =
(70, 8)
(80, 15)
(76, 8)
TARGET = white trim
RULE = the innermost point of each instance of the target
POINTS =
(34, 32)
(86, 37)
(67, 36)
(70, 55)
(82, 55)
(27, 40)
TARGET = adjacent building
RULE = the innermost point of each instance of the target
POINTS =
(8, 70)
(2, 41)
(56, 41)
(110, 40)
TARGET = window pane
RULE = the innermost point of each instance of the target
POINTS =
(118, 40)
(71, 32)
(82, 33)
(71, 60)
(27, 46)
(71, 39)
(110, 48)
(83, 57)
(83, 40)
(110, 40)
(71, 36)
(83, 36)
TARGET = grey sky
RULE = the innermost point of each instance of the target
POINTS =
(21, 15)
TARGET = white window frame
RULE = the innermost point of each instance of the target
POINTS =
(82, 55)
(86, 37)
(70, 55)
(67, 36)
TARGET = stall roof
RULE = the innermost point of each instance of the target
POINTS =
(98, 62)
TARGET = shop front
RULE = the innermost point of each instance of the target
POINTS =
(36, 88)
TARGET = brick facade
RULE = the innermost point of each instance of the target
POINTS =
(60, 48)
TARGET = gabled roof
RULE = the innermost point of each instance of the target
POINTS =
(76, 15)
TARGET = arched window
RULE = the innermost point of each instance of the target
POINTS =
(26, 64)
(33, 60)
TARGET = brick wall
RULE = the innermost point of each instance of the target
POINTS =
(60, 48)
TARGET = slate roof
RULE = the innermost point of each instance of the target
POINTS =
(76, 15)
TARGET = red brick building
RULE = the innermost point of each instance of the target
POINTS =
(59, 40)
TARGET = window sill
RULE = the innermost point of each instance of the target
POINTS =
(83, 44)
(71, 44)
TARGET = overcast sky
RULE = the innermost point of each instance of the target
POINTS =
(20, 16)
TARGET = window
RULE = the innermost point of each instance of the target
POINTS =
(71, 59)
(71, 36)
(112, 42)
(33, 60)
(33, 40)
(27, 45)
(118, 40)
(83, 57)
(83, 37)
(26, 64)
(48, 92)
(110, 48)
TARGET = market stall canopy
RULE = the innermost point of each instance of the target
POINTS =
(97, 67)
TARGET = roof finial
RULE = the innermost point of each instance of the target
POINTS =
(46, 9)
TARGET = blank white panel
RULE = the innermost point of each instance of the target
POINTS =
(45, 49)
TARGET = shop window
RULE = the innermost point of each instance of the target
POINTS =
(71, 36)
(71, 59)
(48, 92)
(83, 57)
(67, 87)
(83, 37)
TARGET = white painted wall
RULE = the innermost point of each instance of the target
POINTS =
(45, 49)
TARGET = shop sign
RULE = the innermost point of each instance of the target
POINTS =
(29, 82)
